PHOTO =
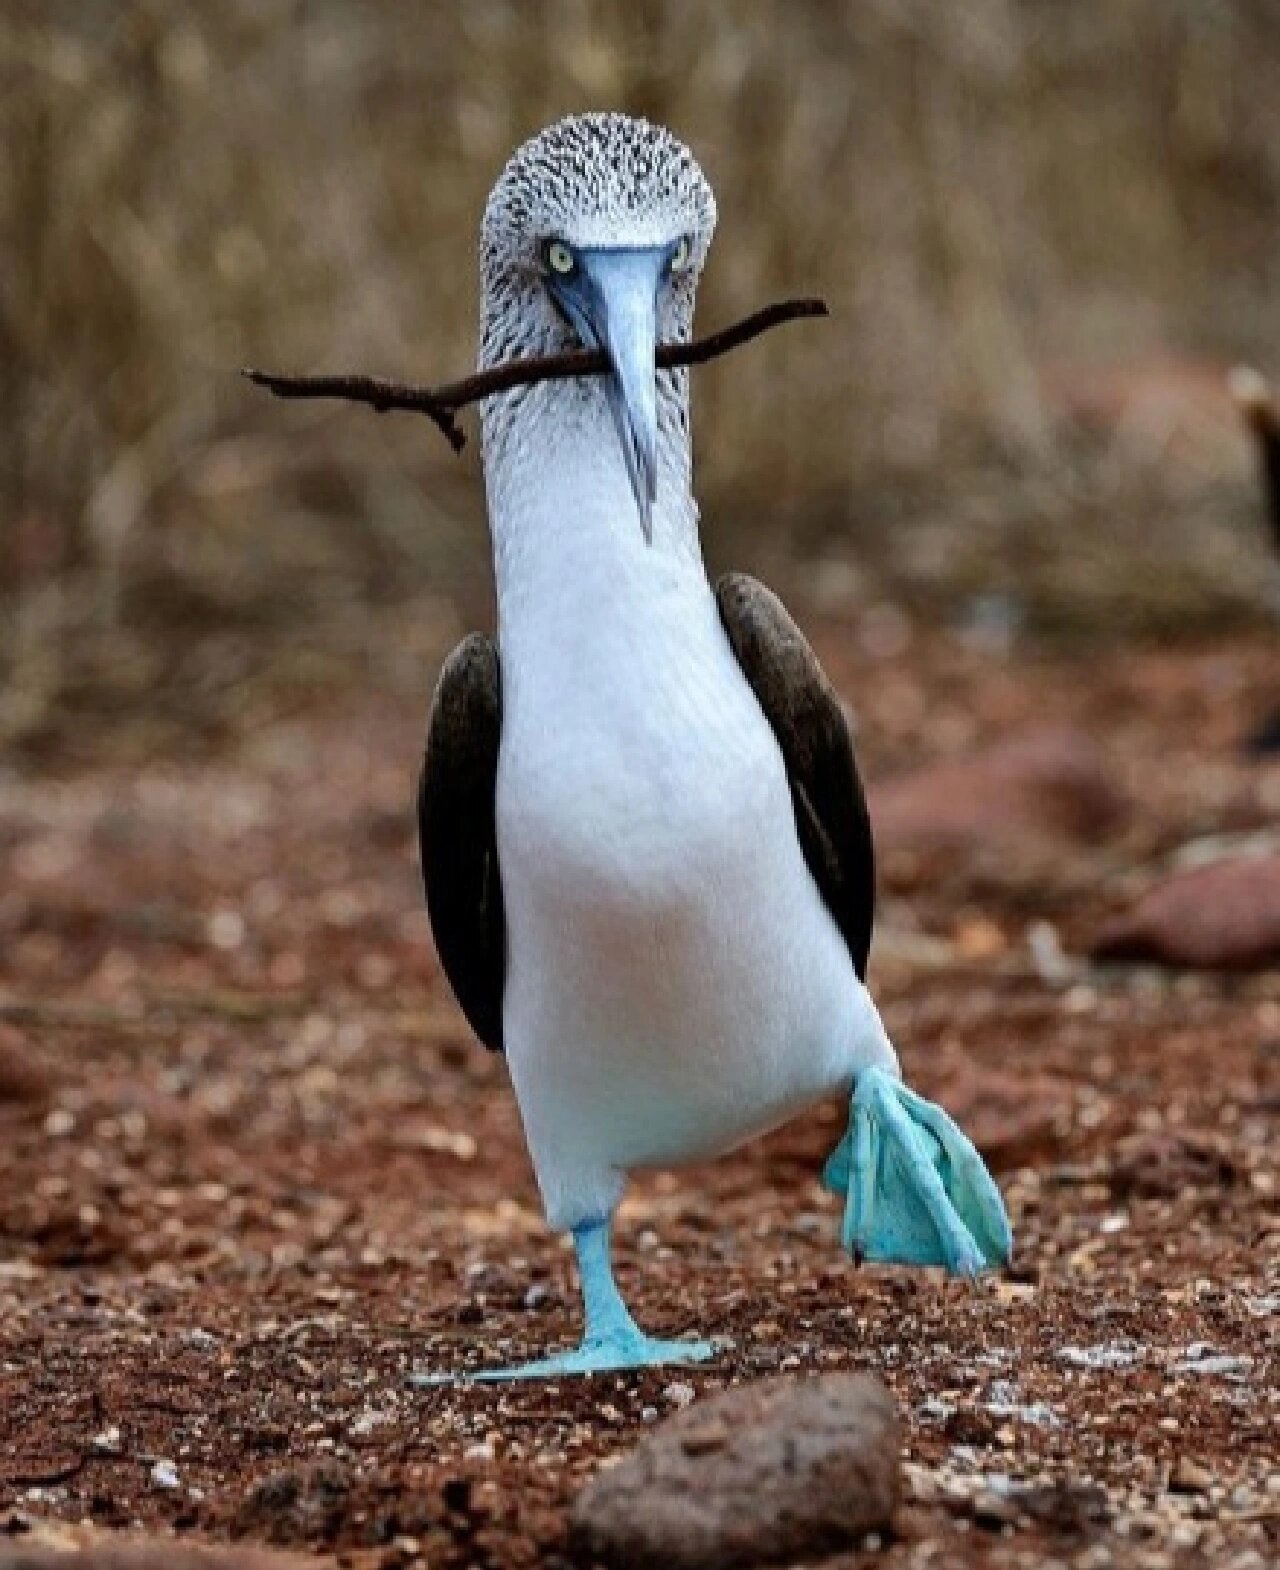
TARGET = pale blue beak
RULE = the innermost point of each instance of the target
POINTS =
(611, 299)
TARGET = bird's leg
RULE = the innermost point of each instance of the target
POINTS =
(916, 1191)
(611, 1340)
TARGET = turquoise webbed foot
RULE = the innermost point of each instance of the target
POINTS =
(612, 1343)
(600, 1355)
(916, 1191)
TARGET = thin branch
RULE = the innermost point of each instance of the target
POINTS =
(380, 394)
(441, 404)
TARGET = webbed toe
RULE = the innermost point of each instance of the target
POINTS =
(916, 1190)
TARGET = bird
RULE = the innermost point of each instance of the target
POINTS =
(645, 846)
(1253, 397)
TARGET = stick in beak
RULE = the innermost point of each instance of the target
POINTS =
(612, 301)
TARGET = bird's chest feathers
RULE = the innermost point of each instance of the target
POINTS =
(637, 771)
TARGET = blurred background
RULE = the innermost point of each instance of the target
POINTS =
(1044, 230)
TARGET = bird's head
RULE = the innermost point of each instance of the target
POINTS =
(594, 237)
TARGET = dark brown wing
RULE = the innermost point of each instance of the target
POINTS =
(802, 707)
(457, 837)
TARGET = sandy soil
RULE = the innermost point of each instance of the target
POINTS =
(255, 1172)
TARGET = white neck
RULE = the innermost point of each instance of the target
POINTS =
(564, 521)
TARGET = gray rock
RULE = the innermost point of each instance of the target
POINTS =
(774, 1471)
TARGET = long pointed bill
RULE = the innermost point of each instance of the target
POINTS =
(612, 303)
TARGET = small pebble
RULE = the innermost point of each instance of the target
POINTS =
(1200, 1359)
(1190, 1477)
(1113, 1354)
(165, 1475)
(997, 1509)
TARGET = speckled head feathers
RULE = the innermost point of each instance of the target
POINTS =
(598, 179)
(592, 180)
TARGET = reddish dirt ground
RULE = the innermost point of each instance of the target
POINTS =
(255, 1172)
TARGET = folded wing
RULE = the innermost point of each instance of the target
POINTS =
(802, 708)
(457, 837)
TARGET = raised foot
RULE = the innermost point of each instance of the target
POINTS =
(596, 1355)
(916, 1191)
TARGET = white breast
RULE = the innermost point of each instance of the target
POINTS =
(675, 983)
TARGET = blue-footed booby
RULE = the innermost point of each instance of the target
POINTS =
(647, 856)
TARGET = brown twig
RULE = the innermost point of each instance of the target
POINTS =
(441, 404)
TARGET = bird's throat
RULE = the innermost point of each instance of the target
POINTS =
(562, 509)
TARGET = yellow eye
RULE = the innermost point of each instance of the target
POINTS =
(682, 256)
(560, 258)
